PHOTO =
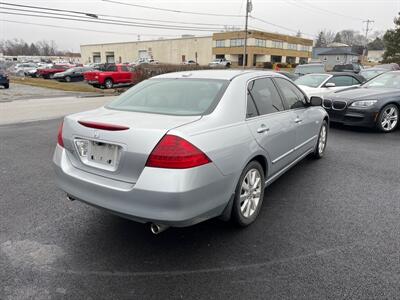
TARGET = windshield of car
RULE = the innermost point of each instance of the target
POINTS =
(181, 97)
(308, 69)
(312, 80)
(368, 74)
(389, 80)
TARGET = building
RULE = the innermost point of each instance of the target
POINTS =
(375, 56)
(262, 47)
(172, 51)
(338, 56)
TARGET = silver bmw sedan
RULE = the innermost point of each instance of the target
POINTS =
(182, 148)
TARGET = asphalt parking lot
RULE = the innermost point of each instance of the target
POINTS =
(328, 229)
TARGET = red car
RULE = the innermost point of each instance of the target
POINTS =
(111, 75)
(48, 73)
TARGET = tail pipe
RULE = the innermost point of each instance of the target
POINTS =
(157, 228)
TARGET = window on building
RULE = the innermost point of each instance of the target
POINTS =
(237, 42)
(277, 44)
(292, 46)
(261, 43)
(304, 48)
(325, 58)
(220, 43)
(337, 58)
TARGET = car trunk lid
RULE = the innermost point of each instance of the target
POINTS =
(125, 138)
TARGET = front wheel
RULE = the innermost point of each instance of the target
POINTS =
(108, 83)
(322, 140)
(68, 78)
(249, 195)
(388, 118)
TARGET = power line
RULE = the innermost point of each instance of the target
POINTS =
(84, 29)
(280, 26)
(105, 15)
(120, 23)
(173, 10)
(308, 6)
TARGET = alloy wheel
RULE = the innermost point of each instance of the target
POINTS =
(250, 193)
(322, 140)
(390, 117)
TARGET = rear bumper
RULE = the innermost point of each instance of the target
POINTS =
(170, 197)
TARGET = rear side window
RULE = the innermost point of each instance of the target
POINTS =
(263, 93)
(293, 96)
(111, 68)
(124, 68)
(180, 97)
(342, 80)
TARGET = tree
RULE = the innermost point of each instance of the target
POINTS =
(321, 40)
(392, 43)
(338, 38)
(376, 44)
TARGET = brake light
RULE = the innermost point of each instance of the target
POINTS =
(103, 126)
(174, 152)
(60, 140)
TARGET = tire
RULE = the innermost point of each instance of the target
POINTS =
(388, 118)
(322, 141)
(67, 78)
(108, 83)
(51, 76)
(245, 209)
(6, 85)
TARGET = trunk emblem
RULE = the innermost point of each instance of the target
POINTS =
(96, 134)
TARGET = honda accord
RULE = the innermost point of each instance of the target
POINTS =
(182, 148)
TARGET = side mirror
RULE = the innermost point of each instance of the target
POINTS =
(330, 84)
(315, 101)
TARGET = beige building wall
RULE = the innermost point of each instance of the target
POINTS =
(172, 51)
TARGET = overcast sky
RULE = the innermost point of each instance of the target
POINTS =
(308, 16)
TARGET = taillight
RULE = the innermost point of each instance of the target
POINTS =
(60, 136)
(174, 152)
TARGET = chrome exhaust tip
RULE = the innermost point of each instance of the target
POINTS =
(157, 228)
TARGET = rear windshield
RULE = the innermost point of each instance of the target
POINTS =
(181, 97)
(308, 69)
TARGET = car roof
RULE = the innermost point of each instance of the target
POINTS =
(217, 74)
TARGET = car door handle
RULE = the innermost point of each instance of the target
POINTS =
(262, 129)
(298, 120)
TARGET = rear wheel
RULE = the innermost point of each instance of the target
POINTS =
(108, 83)
(68, 78)
(249, 195)
(51, 76)
(388, 118)
(322, 140)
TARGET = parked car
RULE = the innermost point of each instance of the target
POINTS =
(389, 67)
(376, 103)
(372, 72)
(289, 75)
(323, 84)
(4, 80)
(174, 151)
(24, 68)
(190, 62)
(48, 73)
(353, 67)
(110, 76)
(301, 70)
(73, 74)
(220, 62)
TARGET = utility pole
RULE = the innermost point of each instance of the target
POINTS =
(249, 8)
(367, 29)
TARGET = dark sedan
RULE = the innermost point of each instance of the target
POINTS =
(73, 74)
(376, 103)
(4, 80)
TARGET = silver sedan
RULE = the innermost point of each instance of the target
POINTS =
(182, 148)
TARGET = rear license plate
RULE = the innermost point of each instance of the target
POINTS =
(103, 153)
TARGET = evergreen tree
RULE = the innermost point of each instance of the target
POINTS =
(338, 38)
(392, 43)
(321, 40)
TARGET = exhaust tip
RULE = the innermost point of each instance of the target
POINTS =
(157, 228)
(70, 198)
